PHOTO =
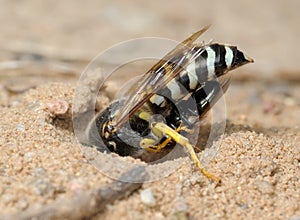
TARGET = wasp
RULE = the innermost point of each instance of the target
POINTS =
(191, 72)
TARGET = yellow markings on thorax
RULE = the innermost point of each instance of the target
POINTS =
(158, 100)
(144, 115)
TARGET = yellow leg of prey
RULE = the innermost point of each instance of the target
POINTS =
(150, 144)
(183, 141)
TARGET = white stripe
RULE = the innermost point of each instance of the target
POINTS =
(210, 62)
(157, 99)
(228, 56)
(191, 71)
(175, 89)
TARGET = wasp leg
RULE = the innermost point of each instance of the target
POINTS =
(183, 141)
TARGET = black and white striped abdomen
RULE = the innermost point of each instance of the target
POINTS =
(215, 60)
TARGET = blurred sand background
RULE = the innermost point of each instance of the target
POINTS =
(44, 47)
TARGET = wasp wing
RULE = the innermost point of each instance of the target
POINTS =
(159, 75)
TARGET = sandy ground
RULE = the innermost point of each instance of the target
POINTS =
(43, 171)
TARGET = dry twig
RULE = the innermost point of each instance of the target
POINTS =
(89, 203)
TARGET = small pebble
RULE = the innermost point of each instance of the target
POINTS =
(22, 204)
(180, 205)
(159, 216)
(147, 198)
(243, 206)
(28, 156)
(18, 166)
(20, 127)
(265, 187)
(42, 187)
(77, 185)
(57, 107)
